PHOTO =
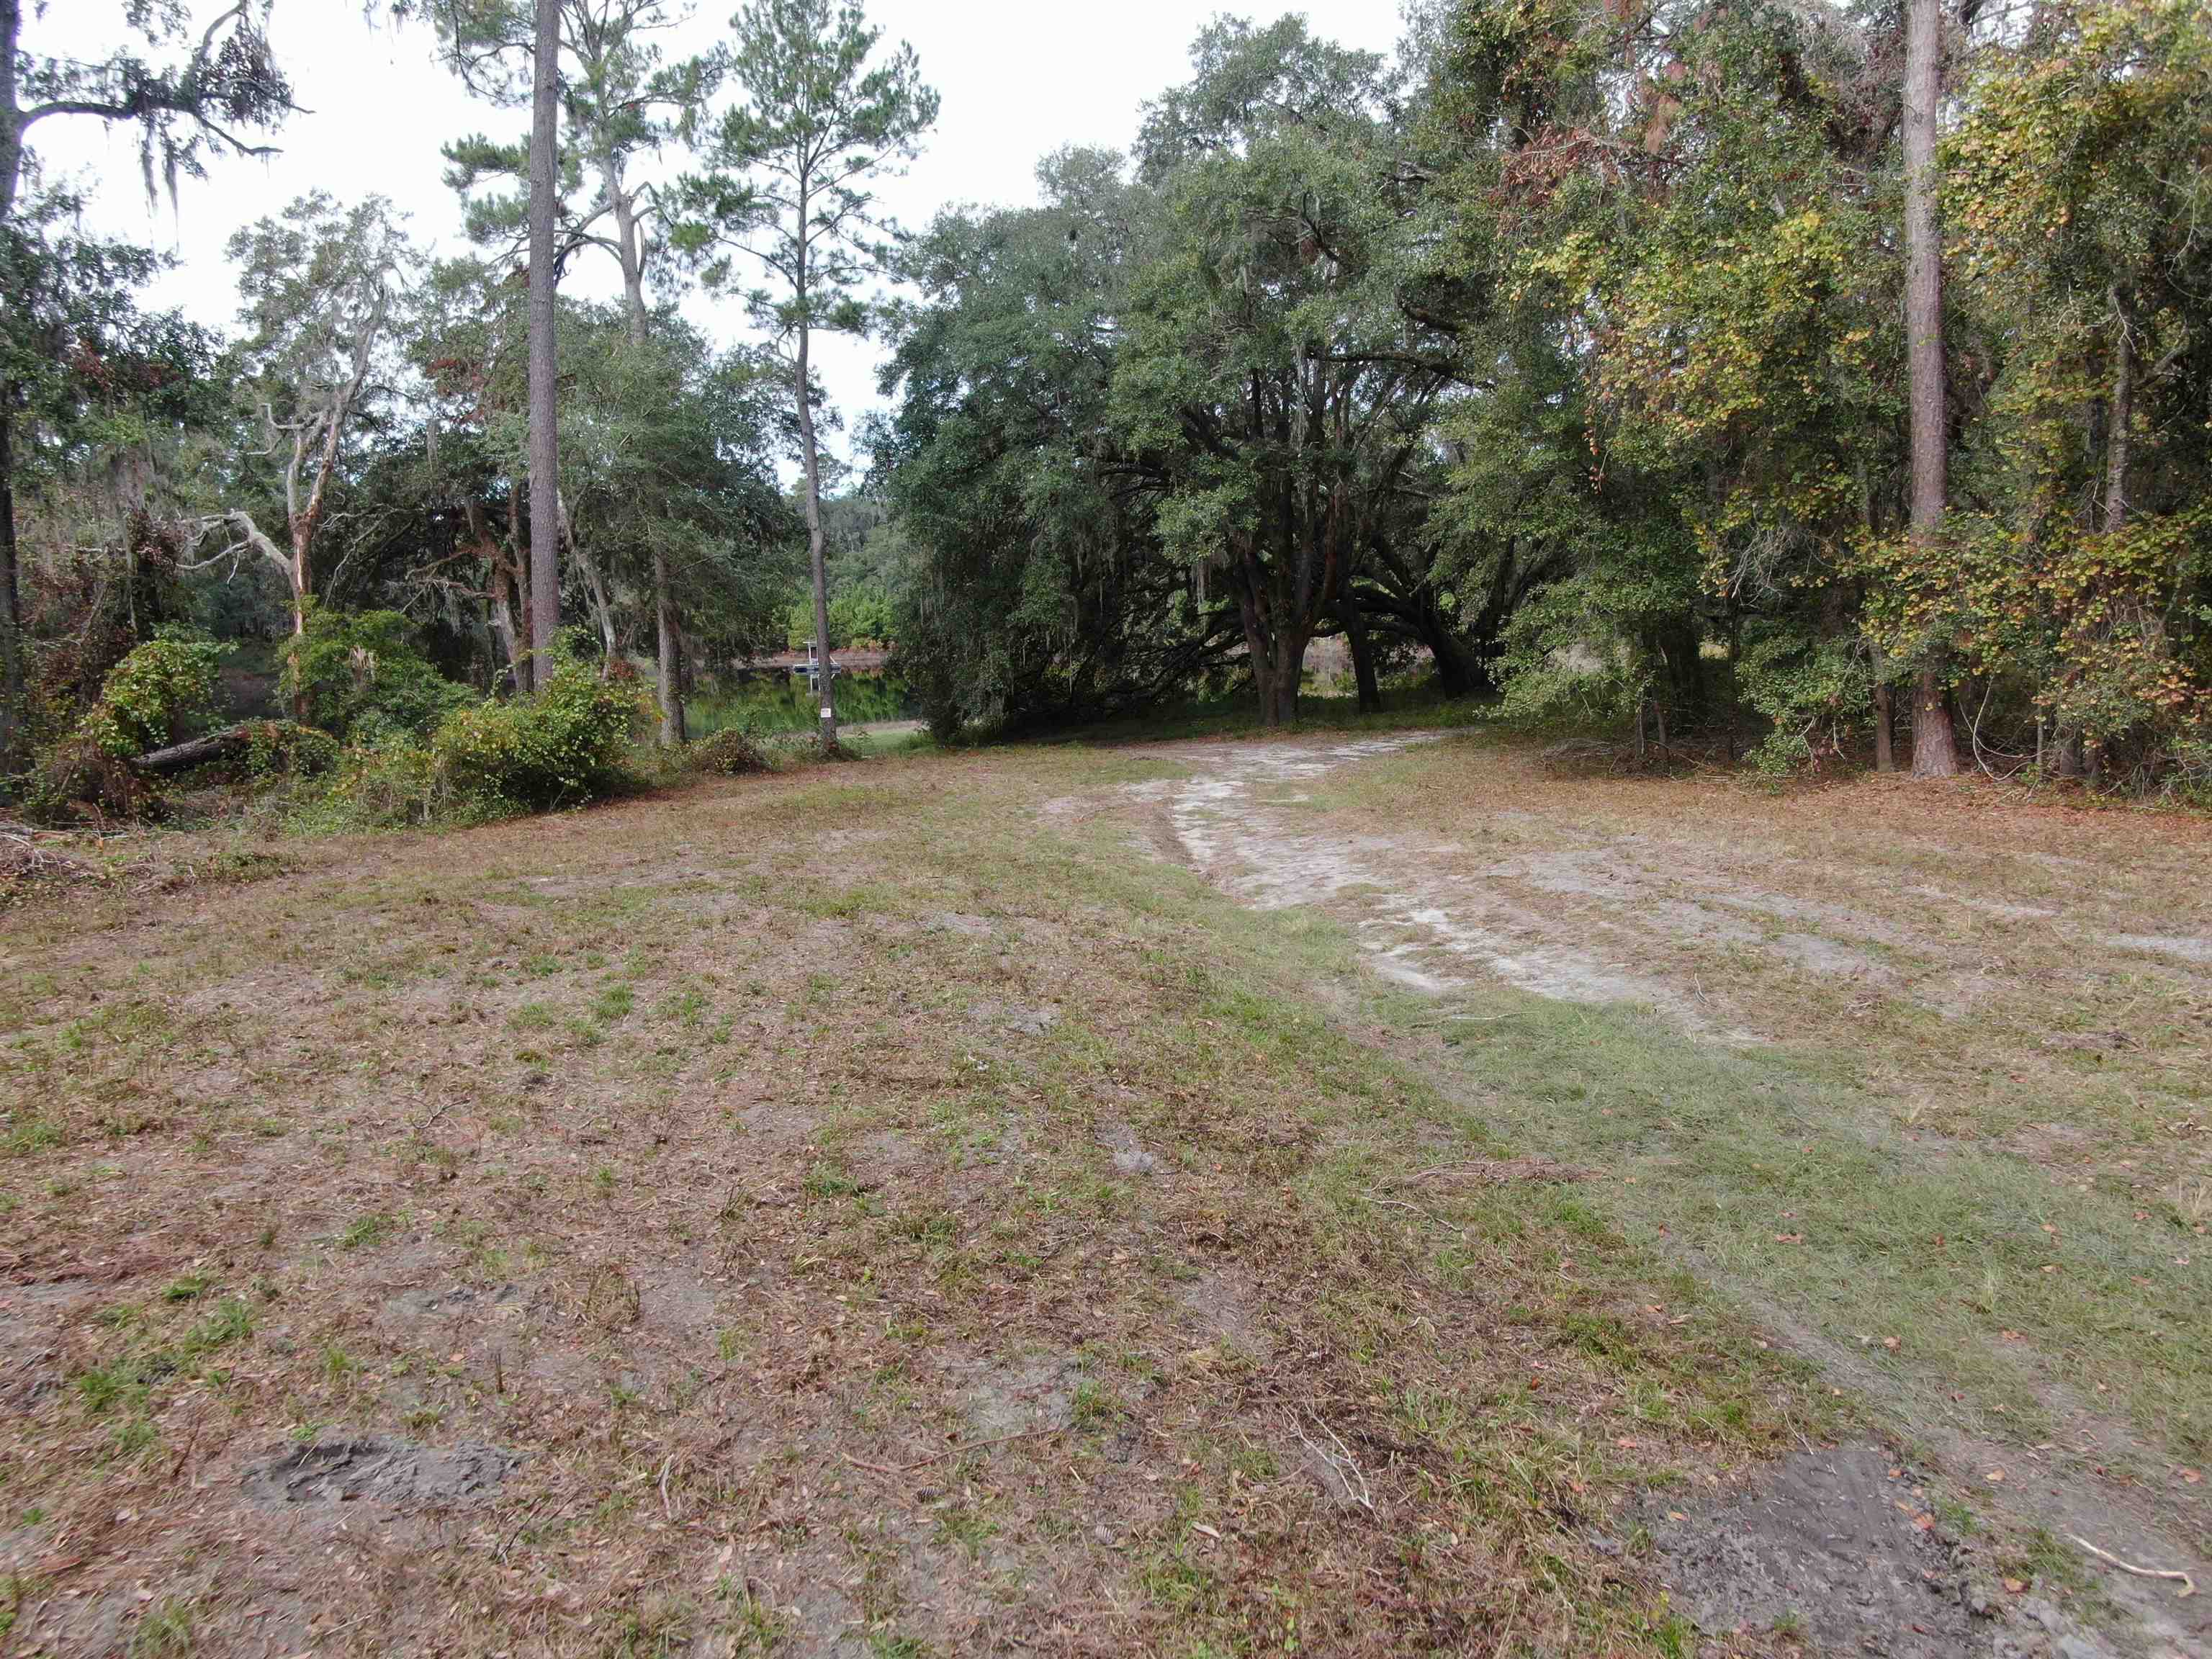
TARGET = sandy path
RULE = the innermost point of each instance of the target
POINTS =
(1237, 822)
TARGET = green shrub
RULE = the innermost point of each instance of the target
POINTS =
(730, 754)
(145, 702)
(395, 785)
(363, 679)
(282, 749)
(77, 771)
(565, 743)
(149, 696)
(1815, 692)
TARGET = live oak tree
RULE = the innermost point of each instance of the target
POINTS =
(787, 189)
(1269, 361)
(190, 97)
(1030, 585)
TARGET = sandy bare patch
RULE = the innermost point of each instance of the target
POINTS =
(382, 1469)
(1838, 1541)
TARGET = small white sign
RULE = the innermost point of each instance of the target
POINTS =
(827, 711)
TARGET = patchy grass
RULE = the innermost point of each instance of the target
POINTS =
(862, 1211)
(1917, 1077)
(1917, 1069)
(880, 1203)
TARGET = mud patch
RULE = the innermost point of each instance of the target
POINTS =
(1830, 1540)
(376, 1468)
(1226, 1305)
(416, 1304)
(1817, 955)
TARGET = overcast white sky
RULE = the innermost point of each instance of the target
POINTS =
(1017, 79)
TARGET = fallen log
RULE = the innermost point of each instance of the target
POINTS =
(195, 751)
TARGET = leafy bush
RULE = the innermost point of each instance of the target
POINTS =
(147, 697)
(78, 771)
(393, 786)
(1816, 693)
(363, 679)
(565, 742)
(282, 749)
(145, 702)
(730, 754)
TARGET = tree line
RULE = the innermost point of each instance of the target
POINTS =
(1828, 375)
(1820, 383)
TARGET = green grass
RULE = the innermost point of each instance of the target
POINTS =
(1778, 1173)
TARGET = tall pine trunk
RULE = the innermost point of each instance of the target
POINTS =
(12, 676)
(11, 601)
(811, 456)
(667, 628)
(544, 365)
(1934, 742)
(670, 664)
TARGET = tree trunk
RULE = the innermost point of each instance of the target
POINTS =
(1458, 672)
(595, 589)
(1258, 645)
(1935, 737)
(296, 576)
(1363, 655)
(2116, 441)
(1885, 721)
(194, 752)
(812, 457)
(1935, 743)
(2070, 763)
(11, 601)
(667, 627)
(545, 366)
(511, 645)
(12, 676)
(1290, 672)
(672, 687)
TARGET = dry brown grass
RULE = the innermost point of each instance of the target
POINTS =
(874, 1225)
